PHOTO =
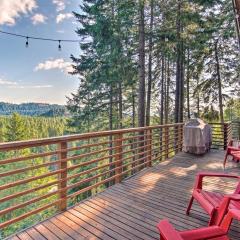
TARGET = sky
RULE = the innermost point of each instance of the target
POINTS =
(37, 73)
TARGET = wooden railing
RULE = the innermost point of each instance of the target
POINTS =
(38, 178)
(221, 135)
(236, 129)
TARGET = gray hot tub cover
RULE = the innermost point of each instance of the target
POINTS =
(197, 136)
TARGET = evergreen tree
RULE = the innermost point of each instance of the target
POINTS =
(16, 129)
(185, 49)
(105, 66)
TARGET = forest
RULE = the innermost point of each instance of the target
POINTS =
(17, 127)
(146, 62)
(142, 63)
(149, 62)
(32, 109)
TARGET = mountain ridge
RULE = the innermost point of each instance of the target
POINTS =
(33, 109)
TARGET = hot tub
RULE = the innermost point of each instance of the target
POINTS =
(197, 137)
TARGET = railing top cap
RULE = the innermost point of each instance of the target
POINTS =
(74, 137)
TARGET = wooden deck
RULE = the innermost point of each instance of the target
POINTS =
(131, 209)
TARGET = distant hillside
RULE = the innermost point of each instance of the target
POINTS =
(33, 109)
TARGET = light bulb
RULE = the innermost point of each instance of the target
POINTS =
(59, 45)
(26, 45)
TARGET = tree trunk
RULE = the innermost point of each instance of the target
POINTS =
(120, 106)
(162, 106)
(182, 82)
(198, 99)
(111, 108)
(133, 108)
(110, 128)
(141, 52)
(149, 90)
(188, 81)
(236, 9)
(179, 94)
(141, 91)
(133, 145)
(219, 82)
(162, 92)
(167, 91)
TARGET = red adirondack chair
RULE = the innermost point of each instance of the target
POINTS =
(219, 232)
(215, 204)
(232, 151)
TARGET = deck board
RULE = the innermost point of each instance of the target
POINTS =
(131, 209)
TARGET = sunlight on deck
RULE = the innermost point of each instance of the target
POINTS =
(181, 171)
(131, 209)
(215, 165)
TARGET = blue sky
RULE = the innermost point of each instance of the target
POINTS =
(37, 73)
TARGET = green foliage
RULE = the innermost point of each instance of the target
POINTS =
(219, 41)
(108, 65)
(15, 129)
(232, 111)
(186, 36)
(210, 114)
(33, 109)
(105, 67)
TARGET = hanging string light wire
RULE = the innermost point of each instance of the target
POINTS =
(27, 37)
(166, 31)
(39, 38)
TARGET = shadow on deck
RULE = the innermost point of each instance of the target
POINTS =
(131, 209)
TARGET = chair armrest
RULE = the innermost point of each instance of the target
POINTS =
(227, 219)
(224, 209)
(167, 231)
(233, 197)
(231, 149)
(234, 213)
(228, 198)
(234, 148)
(201, 175)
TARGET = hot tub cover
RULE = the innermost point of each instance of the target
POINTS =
(197, 136)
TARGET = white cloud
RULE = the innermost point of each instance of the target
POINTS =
(60, 17)
(38, 18)
(60, 31)
(12, 9)
(60, 4)
(7, 83)
(17, 85)
(58, 63)
(31, 86)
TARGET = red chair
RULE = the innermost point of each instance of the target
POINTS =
(219, 232)
(232, 151)
(215, 204)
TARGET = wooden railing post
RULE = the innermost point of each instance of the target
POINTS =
(179, 138)
(63, 175)
(166, 134)
(225, 134)
(149, 148)
(118, 158)
(238, 131)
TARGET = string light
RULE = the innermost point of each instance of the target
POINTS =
(59, 45)
(78, 41)
(26, 42)
(40, 38)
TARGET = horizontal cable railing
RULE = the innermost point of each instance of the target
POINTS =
(39, 178)
(221, 135)
(236, 130)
